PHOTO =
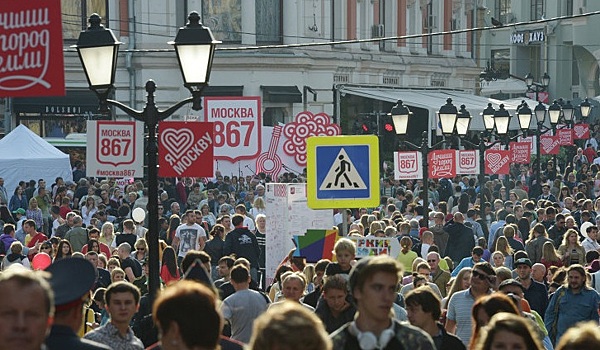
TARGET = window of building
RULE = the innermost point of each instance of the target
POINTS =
(501, 62)
(274, 115)
(75, 14)
(430, 23)
(224, 18)
(569, 9)
(503, 10)
(537, 9)
(268, 21)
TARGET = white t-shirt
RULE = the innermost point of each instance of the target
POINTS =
(189, 236)
(249, 223)
(55, 224)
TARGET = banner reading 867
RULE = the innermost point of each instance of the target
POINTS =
(237, 125)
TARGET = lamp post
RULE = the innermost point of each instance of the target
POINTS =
(492, 119)
(537, 87)
(448, 115)
(540, 116)
(195, 47)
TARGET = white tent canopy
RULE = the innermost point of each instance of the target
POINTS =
(506, 86)
(26, 156)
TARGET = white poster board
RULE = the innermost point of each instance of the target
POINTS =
(288, 215)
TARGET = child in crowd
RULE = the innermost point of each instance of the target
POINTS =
(345, 252)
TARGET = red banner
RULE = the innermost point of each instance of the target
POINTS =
(520, 152)
(549, 144)
(31, 59)
(565, 137)
(497, 161)
(581, 131)
(185, 149)
(442, 163)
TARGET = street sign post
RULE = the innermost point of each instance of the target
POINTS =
(342, 171)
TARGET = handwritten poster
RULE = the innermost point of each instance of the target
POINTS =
(376, 246)
(288, 215)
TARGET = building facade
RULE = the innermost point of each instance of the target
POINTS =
(292, 53)
(551, 42)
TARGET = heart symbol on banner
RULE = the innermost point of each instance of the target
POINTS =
(547, 143)
(493, 158)
(177, 141)
(579, 130)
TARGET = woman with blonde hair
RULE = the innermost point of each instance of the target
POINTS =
(497, 258)
(503, 246)
(570, 223)
(35, 213)
(107, 235)
(258, 207)
(462, 281)
(406, 255)
(571, 250)
(550, 257)
(88, 210)
(141, 250)
(309, 274)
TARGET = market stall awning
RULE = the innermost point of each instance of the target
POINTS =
(432, 100)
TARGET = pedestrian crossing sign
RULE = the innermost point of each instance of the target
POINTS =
(342, 171)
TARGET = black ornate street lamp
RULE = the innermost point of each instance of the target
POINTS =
(448, 115)
(537, 87)
(195, 47)
(540, 112)
(492, 119)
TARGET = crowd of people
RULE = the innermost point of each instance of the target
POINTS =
(525, 274)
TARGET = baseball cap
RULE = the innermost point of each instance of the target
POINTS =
(511, 282)
(19, 211)
(523, 261)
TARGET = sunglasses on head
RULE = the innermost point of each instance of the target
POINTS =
(481, 276)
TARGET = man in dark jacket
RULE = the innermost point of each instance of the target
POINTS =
(424, 309)
(460, 238)
(242, 242)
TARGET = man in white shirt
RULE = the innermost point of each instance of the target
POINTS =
(248, 222)
(189, 236)
(591, 241)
